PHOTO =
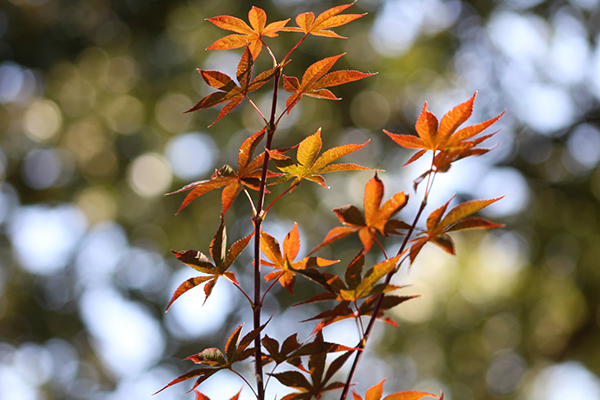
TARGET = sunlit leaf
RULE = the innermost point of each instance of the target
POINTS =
(377, 217)
(320, 26)
(246, 35)
(316, 79)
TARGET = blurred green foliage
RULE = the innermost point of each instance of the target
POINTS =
(92, 134)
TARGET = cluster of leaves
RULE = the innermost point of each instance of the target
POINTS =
(362, 293)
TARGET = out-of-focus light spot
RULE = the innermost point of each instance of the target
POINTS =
(99, 253)
(9, 201)
(566, 381)
(44, 237)
(44, 168)
(149, 175)
(224, 61)
(507, 182)
(505, 254)
(396, 27)
(586, 4)
(77, 96)
(170, 112)
(11, 81)
(125, 114)
(504, 373)
(14, 387)
(143, 270)
(97, 203)
(370, 110)
(420, 309)
(570, 52)
(502, 331)
(34, 362)
(546, 108)
(65, 361)
(121, 74)
(188, 317)
(584, 145)
(42, 120)
(522, 37)
(126, 336)
(399, 23)
(132, 387)
(191, 155)
(522, 4)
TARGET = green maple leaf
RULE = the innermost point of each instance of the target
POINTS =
(310, 165)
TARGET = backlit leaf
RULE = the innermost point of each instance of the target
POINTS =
(377, 217)
(308, 24)
(316, 79)
(246, 35)
(187, 285)
(444, 137)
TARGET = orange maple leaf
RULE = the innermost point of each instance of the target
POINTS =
(308, 24)
(246, 35)
(285, 262)
(230, 92)
(455, 220)
(316, 79)
(444, 136)
(377, 217)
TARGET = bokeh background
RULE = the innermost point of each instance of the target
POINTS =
(92, 135)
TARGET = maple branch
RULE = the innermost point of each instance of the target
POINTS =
(258, 218)
(388, 278)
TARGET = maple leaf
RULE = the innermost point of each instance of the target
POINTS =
(375, 393)
(248, 175)
(316, 78)
(308, 24)
(356, 287)
(285, 262)
(456, 219)
(377, 218)
(291, 350)
(200, 262)
(230, 92)
(310, 166)
(235, 350)
(444, 136)
(251, 36)
(319, 374)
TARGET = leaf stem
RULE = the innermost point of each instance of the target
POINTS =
(293, 48)
(237, 285)
(279, 197)
(269, 288)
(244, 379)
(257, 110)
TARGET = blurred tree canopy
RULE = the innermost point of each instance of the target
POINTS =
(92, 134)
